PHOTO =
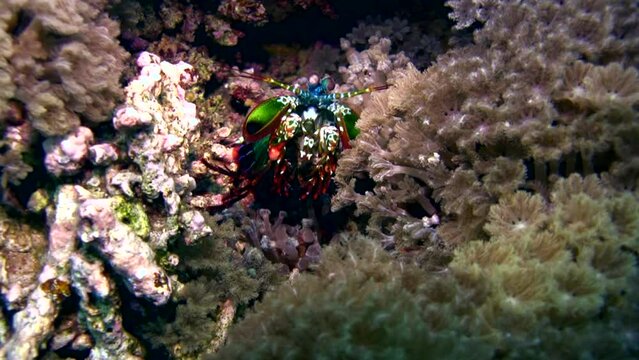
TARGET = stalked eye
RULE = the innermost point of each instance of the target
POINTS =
(328, 83)
(265, 118)
(308, 126)
(313, 79)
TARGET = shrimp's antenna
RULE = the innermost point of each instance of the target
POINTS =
(366, 90)
(269, 80)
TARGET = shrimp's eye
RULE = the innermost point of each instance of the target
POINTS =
(328, 83)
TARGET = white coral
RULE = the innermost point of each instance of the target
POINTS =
(166, 128)
(127, 252)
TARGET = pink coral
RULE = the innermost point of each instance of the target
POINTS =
(103, 154)
(295, 247)
(129, 117)
(65, 156)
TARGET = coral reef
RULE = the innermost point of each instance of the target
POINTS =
(22, 249)
(558, 271)
(502, 114)
(34, 322)
(120, 240)
(169, 30)
(60, 67)
(216, 280)
(66, 156)
(64, 62)
(188, 17)
(17, 139)
(166, 122)
(243, 10)
(485, 206)
(148, 160)
(99, 310)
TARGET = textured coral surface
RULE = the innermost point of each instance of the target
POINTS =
(554, 276)
(527, 101)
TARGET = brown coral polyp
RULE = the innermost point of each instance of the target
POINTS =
(516, 215)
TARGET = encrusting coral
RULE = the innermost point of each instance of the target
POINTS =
(66, 155)
(159, 126)
(77, 213)
(147, 160)
(120, 241)
(100, 305)
(530, 99)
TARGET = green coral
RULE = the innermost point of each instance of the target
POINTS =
(148, 186)
(133, 214)
(38, 201)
